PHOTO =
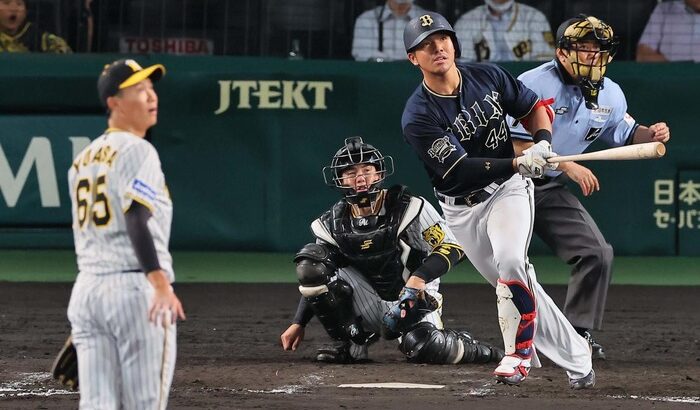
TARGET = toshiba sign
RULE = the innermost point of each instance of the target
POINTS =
(166, 45)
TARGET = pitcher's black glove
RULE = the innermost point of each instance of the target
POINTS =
(412, 307)
(65, 367)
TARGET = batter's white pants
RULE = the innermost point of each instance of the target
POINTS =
(495, 235)
(124, 361)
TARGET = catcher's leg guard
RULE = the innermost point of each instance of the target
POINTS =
(331, 301)
(516, 315)
(427, 344)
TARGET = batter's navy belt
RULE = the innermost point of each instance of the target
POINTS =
(473, 198)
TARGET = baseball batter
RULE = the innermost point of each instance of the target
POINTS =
(588, 107)
(456, 122)
(122, 308)
(375, 268)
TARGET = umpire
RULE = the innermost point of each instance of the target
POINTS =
(588, 106)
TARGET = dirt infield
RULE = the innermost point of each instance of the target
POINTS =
(229, 354)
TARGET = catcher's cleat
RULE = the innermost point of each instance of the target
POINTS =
(585, 382)
(343, 352)
(512, 370)
(597, 351)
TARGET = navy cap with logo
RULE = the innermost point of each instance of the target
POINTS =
(419, 28)
(125, 73)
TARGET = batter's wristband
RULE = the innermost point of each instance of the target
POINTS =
(542, 135)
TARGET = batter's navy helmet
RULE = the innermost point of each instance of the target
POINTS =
(422, 26)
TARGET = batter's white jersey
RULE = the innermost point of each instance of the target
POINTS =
(114, 170)
(523, 35)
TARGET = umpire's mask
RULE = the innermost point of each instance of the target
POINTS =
(357, 152)
(586, 45)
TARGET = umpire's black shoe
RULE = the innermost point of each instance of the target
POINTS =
(597, 351)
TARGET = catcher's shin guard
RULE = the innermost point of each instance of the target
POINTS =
(332, 304)
(427, 344)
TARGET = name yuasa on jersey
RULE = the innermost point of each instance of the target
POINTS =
(114, 170)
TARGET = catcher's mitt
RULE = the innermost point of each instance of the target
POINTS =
(65, 367)
(413, 305)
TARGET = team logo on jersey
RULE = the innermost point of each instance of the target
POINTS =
(561, 110)
(426, 20)
(366, 244)
(434, 235)
(441, 149)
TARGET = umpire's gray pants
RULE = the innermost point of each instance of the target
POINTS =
(566, 227)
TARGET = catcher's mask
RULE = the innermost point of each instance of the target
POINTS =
(594, 38)
(356, 152)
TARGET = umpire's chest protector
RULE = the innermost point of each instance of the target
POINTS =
(372, 245)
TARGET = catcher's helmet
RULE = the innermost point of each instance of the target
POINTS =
(354, 152)
(588, 74)
(422, 26)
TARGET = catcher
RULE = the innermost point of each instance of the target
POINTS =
(374, 269)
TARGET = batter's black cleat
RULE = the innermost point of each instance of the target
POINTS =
(597, 351)
(586, 382)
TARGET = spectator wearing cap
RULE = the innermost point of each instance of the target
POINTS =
(17, 35)
(378, 34)
(672, 33)
(504, 30)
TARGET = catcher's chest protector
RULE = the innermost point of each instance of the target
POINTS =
(371, 244)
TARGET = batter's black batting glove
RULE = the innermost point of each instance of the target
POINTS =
(412, 307)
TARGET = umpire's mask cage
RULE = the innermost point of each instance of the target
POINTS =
(588, 34)
(356, 152)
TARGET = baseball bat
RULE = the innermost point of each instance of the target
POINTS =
(646, 150)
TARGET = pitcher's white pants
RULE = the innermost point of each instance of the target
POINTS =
(124, 360)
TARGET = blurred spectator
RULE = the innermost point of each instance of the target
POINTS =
(503, 30)
(20, 36)
(672, 33)
(378, 34)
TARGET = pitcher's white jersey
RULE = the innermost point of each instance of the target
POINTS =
(114, 170)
